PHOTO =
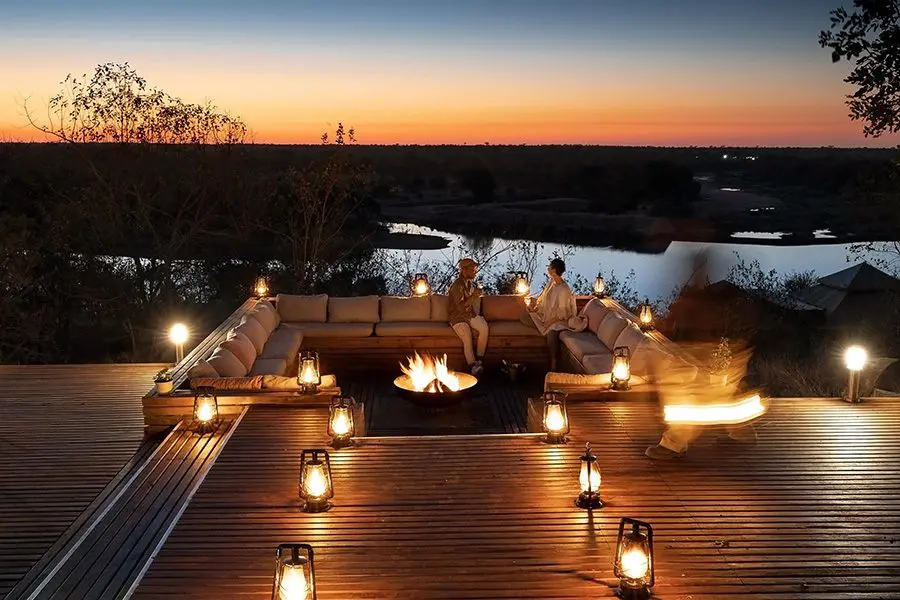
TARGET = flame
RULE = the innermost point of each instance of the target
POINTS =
(715, 414)
(340, 424)
(422, 287)
(424, 370)
(635, 563)
(293, 583)
(316, 484)
(205, 411)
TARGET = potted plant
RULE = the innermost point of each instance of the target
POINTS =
(720, 362)
(164, 382)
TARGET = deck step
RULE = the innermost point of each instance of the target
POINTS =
(106, 551)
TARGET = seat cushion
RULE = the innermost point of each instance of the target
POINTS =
(290, 383)
(595, 364)
(512, 328)
(283, 343)
(595, 311)
(360, 309)
(414, 329)
(241, 346)
(632, 338)
(396, 309)
(502, 308)
(266, 314)
(582, 343)
(610, 328)
(440, 306)
(332, 330)
(269, 366)
(202, 369)
(227, 364)
(302, 308)
(254, 330)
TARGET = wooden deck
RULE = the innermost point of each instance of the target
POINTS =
(65, 432)
(811, 511)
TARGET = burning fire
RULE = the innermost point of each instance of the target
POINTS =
(430, 374)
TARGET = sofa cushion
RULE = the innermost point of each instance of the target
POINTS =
(582, 343)
(227, 364)
(512, 328)
(283, 343)
(241, 346)
(332, 330)
(287, 383)
(361, 309)
(266, 314)
(503, 308)
(440, 305)
(237, 384)
(595, 311)
(254, 330)
(302, 308)
(631, 337)
(202, 369)
(269, 366)
(610, 328)
(414, 328)
(595, 364)
(395, 309)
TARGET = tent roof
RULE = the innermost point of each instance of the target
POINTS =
(862, 277)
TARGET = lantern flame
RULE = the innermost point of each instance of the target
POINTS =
(715, 414)
(522, 286)
(554, 419)
(589, 483)
(421, 287)
(316, 484)
(430, 374)
(621, 370)
(634, 563)
(309, 374)
(205, 411)
(340, 424)
(293, 584)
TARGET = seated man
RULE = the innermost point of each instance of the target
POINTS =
(461, 311)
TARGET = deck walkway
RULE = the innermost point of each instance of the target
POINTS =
(812, 511)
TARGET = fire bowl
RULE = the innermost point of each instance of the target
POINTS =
(436, 400)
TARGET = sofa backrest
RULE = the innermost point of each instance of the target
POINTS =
(401, 308)
(306, 309)
(594, 311)
(356, 309)
(502, 308)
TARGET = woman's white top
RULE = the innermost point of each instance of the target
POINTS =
(554, 307)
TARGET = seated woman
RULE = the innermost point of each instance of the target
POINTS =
(553, 310)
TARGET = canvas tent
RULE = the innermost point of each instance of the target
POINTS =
(858, 296)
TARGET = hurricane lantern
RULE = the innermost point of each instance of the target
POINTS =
(340, 421)
(855, 358)
(420, 285)
(308, 375)
(261, 287)
(295, 573)
(178, 335)
(621, 368)
(645, 316)
(634, 559)
(556, 421)
(315, 480)
(589, 480)
(599, 287)
(521, 284)
(206, 410)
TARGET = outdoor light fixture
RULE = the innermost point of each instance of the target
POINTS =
(261, 287)
(855, 358)
(645, 316)
(308, 375)
(634, 559)
(599, 287)
(521, 284)
(295, 573)
(420, 286)
(206, 410)
(340, 421)
(315, 480)
(178, 334)
(589, 479)
(621, 368)
(556, 422)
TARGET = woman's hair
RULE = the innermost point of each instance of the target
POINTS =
(558, 265)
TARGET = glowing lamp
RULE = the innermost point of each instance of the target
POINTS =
(308, 375)
(634, 559)
(206, 410)
(295, 574)
(420, 286)
(521, 285)
(855, 358)
(340, 422)
(645, 316)
(556, 421)
(261, 287)
(621, 368)
(315, 480)
(599, 287)
(589, 480)
(178, 335)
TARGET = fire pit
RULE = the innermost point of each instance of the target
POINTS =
(428, 382)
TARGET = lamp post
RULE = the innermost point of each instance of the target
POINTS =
(555, 421)
(855, 357)
(178, 335)
(340, 422)
(621, 368)
(261, 288)
(589, 480)
(206, 410)
(316, 487)
(295, 573)
(521, 285)
(308, 375)
(599, 287)
(420, 285)
(645, 316)
(634, 559)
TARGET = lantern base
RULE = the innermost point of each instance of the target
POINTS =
(202, 428)
(554, 438)
(588, 500)
(623, 386)
(629, 593)
(317, 507)
(342, 442)
(646, 328)
(306, 388)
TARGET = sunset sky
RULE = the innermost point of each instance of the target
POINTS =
(629, 72)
